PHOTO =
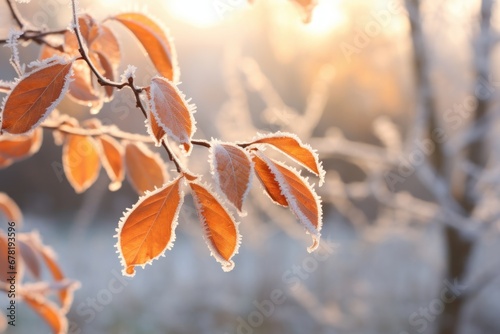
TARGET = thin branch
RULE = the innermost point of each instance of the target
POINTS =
(15, 14)
(112, 131)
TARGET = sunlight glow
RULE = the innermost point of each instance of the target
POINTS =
(199, 13)
(326, 17)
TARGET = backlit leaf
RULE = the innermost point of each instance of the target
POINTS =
(145, 170)
(49, 259)
(49, 312)
(268, 181)
(35, 95)
(81, 89)
(155, 41)
(221, 231)
(171, 110)
(112, 161)
(30, 257)
(81, 161)
(152, 126)
(300, 196)
(13, 148)
(232, 170)
(291, 145)
(10, 209)
(147, 230)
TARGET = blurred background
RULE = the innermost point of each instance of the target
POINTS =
(401, 100)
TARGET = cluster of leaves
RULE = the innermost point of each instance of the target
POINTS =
(84, 67)
(32, 256)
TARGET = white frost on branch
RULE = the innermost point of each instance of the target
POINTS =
(129, 73)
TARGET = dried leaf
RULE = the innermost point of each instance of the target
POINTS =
(147, 230)
(30, 257)
(13, 148)
(10, 209)
(268, 181)
(171, 110)
(145, 170)
(81, 89)
(81, 161)
(106, 44)
(48, 311)
(112, 161)
(35, 95)
(232, 170)
(152, 126)
(221, 231)
(49, 258)
(291, 145)
(155, 40)
(300, 196)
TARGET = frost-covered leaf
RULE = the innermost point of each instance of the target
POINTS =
(152, 126)
(300, 196)
(10, 209)
(145, 170)
(81, 161)
(268, 181)
(221, 231)
(65, 294)
(30, 258)
(232, 170)
(112, 161)
(155, 40)
(148, 229)
(49, 312)
(81, 89)
(291, 145)
(171, 110)
(14, 148)
(35, 95)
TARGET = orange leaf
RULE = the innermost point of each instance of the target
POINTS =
(155, 40)
(145, 170)
(21, 146)
(232, 170)
(268, 181)
(35, 95)
(300, 196)
(81, 89)
(46, 309)
(10, 209)
(152, 126)
(30, 257)
(112, 161)
(147, 230)
(291, 145)
(106, 70)
(81, 161)
(171, 110)
(49, 258)
(221, 231)
(106, 44)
